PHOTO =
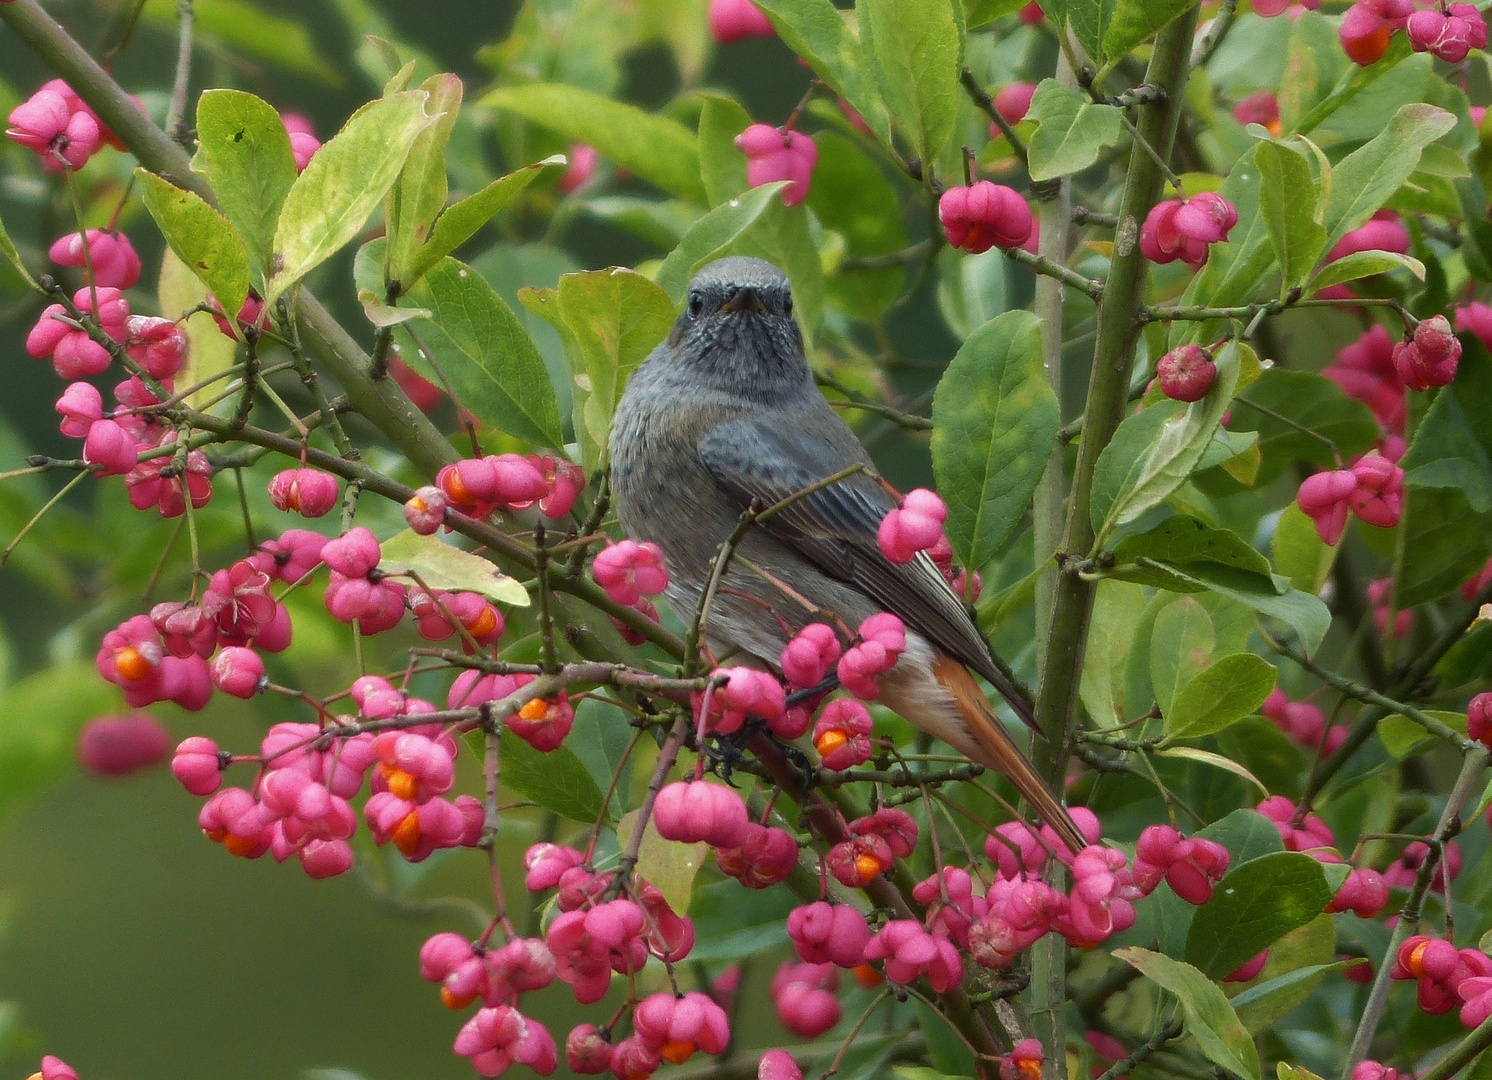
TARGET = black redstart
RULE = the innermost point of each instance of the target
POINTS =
(725, 414)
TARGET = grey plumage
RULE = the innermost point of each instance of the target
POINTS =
(724, 413)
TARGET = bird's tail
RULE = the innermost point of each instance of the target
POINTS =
(999, 752)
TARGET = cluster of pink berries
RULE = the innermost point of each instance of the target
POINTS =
(56, 123)
(300, 801)
(632, 573)
(1447, 31)
(1185, 228)
(479, 486)
(1445, 976)
(1373, 489)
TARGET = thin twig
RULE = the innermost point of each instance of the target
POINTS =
(176, 112)
(986, 105)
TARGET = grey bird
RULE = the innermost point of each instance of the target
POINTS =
(725, 415)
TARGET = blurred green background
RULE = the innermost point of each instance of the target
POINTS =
(129, 946)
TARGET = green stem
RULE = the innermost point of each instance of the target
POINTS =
(1108, 391)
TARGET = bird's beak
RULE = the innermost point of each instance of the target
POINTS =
(745, 298)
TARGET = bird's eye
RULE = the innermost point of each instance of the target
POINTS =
(787, 304)
(696, 303)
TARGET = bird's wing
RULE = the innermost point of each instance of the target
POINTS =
(835, 529)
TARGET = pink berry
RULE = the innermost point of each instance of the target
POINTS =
(733, 20)
(80, 406)
(110, 253)
(1378, 497)
(984, 215)
(120, 745)
(1014, 101)
(916, 525)
(1323, 497)
(310, 493)
(197, 765)
(778, 1065)
(1430, 356)
(425, 511)
(157, 345)
(352, 554)
(583, 160)
(238, 671)
(1186, 373)
(807, 658)
(772, 154)
(841, 734)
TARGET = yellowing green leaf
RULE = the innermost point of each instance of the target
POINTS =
(442, 566)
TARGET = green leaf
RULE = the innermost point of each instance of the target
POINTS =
(12, 256)
(480, 346)
(721, 163)
(419, 195)
(1247, 834)
(1287, 202)
(1308, 401)
(1277, 994)
(1255, 905)
(995, 421)
(1361, 264)
(1073, 131)
(817, 31)
(1402, 737)
(555, 780)
(979, 12)
(918, 47)
(249, 29)
(616, 317)
(1117, 610)
(1365, 178)
(1225, 693)
(710, 235)
(851, 196)
(659, 150)
(1307, 615)
(731, 923)
(201, 238)
(460, 222)
(1181, 647)
(1299, 553)
(1447, 542)
(209, 351)
(1209, 1017)
(1134, 476)
(1184, 541)
(1089, 21)
(1134, 21)
(1446, 454)
(343, 184)
(244, 152)
(668, 864)
(44, 713)
(442, 566)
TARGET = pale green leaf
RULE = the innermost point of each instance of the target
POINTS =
(419, 195)
(1210, 1019)
(1365, 178)
(201, 238)
(343, 184)
(667, 864)
(710, 235)
(1217, 761)
(460, 222)
(1117, 609)
(1182, 644)
(1287, 202)
(1073, 130)
(209, 351)
(1299, 553)
(1361, 264)
(441, 566)
(244, 152)
(918, 50)
(818, 32)
(659, 150)
(1253, 906)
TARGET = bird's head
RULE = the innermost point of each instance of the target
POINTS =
(738, 327)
